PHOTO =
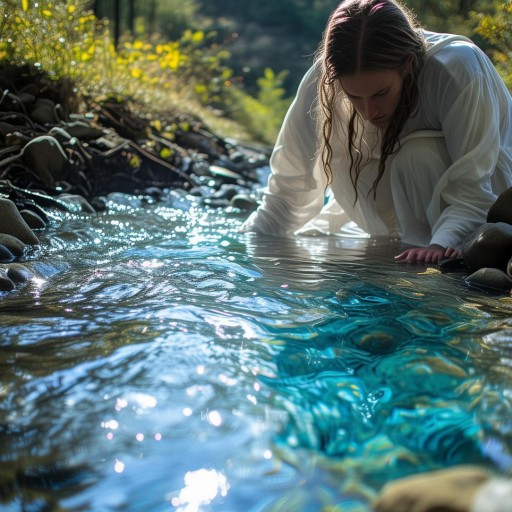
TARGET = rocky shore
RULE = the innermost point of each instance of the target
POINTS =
(58, 153)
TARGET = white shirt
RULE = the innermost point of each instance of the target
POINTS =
(461, 97)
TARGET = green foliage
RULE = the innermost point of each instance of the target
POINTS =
(262, 116)
(66, 40)
(497, 29)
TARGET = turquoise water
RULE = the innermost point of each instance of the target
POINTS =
(161, 361)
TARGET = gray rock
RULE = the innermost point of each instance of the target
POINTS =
(33, 220)
(12, 223)
(19, 273)
(15, 245)
(45, 156)
(244, 202)
(6, 256)
(488, 246)
(491, 279)
(501, 210)
(6, 285)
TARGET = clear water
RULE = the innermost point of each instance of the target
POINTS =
(162, 361)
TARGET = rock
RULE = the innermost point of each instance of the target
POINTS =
(45, 156)
(6, 285)
(19, 273)
(43, 111)
(491, 279)
(244, 202)
(6, 256)
(16, 246)
(501, 210)
(79, 201)
(509, 267)
(12, 223)
(33, 220)
(488, 246)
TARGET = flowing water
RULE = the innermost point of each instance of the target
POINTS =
(161, 361)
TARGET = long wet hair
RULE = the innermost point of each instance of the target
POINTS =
(367, 36)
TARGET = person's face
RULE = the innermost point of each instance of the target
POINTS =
(374, 94)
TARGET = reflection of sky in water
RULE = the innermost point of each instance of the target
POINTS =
(162, 361)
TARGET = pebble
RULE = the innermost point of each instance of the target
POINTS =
(6, 285)
(16, 246)
(488, 246)
(6, 256)
(491, 279)
(33, 220)
(13, 223)
(501, 210)
(244, 202)
(19, 273)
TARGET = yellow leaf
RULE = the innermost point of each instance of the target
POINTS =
(71, 9)
(24, 5)
(47, 13)
(165, 153)
(198, 36)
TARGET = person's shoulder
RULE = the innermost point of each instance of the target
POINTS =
(453, 55)
(450, 49)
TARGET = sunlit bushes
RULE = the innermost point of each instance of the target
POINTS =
(67, 40)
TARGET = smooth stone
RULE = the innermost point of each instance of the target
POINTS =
(33, 220)
(491, 279)
(6, 285)
(33, 207)
(509, 267)
(15, 245)
(6, 256)
(19, 273)
(488, 246)
(45, 156)
(226, 174)
(43, 111)
(78, 200)
(244, 202)
(501, 210)
(13, 223)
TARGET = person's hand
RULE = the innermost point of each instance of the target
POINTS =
(448, 490)
(431, 254)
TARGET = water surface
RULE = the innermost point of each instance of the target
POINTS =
(160, 360)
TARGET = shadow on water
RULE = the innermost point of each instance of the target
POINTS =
(161, 360)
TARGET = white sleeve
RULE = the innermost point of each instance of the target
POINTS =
(296, 186)
(494, 496)
(469, 110)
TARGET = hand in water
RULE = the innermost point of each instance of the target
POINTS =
(432, 254)
(451, 490)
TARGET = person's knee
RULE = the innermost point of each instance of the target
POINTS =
(420, 160)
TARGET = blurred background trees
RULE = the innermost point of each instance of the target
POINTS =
(229, 60)
(285, 34)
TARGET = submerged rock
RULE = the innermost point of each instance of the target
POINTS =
(6, 285)
(15, 245)
(19, 273)
(490, 279)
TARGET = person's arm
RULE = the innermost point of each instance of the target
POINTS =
(296, 188)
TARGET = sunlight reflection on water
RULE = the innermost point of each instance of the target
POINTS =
(163, 361)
